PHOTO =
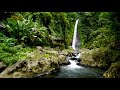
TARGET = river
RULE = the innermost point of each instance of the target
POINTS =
(75, 71)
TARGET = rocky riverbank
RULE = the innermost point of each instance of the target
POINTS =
(101, 58)
(45, 60)
(40, 61)
(87, 59)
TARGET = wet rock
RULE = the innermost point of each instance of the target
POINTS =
(77, 63)
(66, 63)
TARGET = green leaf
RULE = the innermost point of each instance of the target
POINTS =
(11, 21)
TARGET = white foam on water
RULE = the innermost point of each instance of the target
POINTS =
(73, 64)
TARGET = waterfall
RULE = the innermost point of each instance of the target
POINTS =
(75, 45)
(75, 40)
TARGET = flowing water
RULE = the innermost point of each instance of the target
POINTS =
(73, 70)
(75, 42)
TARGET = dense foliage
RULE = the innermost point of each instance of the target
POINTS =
(99, 29)
(20, 32)
(25, 30)
(40, 28)
(100, 32)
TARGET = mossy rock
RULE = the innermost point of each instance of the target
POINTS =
(38, 62)
(95, 57)
(86, 58)
(113, 71)
(67, 52)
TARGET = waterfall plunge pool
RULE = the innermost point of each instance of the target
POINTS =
(75, 71)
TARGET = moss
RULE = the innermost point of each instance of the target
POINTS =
(99, 57)
(37, 62)
(113, 71)
(86, 57)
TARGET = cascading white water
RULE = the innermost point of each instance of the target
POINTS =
(73, 70)
(75, 35)
(78, 56)
(74, 44)
(73, 64)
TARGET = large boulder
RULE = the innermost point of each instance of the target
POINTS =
(40, 61)
(63, 59)
(94, 58)
(86, 58)
(25, 68)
